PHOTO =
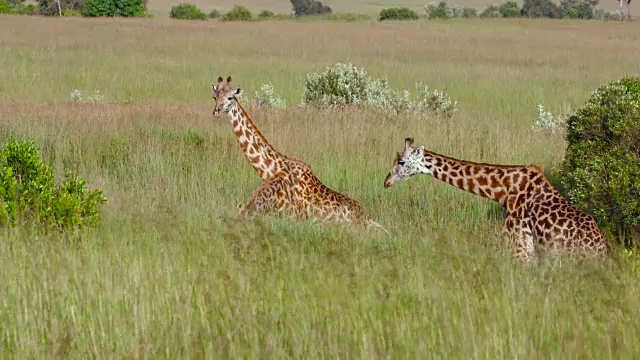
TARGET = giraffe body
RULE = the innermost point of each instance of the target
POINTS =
(289, 186)
(537, 214)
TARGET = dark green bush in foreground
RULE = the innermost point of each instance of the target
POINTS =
(397, 14)
(28, 192)
(601, 170)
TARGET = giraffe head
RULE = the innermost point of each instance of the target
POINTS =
(410, 162)
(224, 96)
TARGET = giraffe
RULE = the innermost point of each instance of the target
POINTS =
(536, 211)
(289, 186)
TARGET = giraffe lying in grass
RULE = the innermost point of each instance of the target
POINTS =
(535, 209)
(289, 186)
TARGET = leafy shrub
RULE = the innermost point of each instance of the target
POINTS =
(540, 9)
(549, 123)
(601, 169)
(28, 192)
(50, 7)
(438, 10)
(5, 8)
(238, 13)
(577, 9)
(509, 9)
(469, 12)
(397, 14)
(309, 7)
(214, 14)
(266, 14)
(29, 9)
(601, 14)
(71, 13)
(346, 85)
(267, 96)
(111, 8)
(491, 11)
(187, 11)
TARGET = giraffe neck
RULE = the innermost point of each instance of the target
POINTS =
(487, 180)
(261, 155)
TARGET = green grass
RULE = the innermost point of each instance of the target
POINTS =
(173, 272)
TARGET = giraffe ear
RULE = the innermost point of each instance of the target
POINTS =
(219, 79)
(214, 88)
(408, 142)
(238, 92)
(229, 79)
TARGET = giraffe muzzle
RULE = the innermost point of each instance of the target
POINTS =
(388, 182)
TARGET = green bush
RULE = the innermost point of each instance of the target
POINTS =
(509, 9)
(238, 13)
(309, 7)
(491, 11)
(266, 14)
(28, 192)
(345, 85)
(30, 9)
(439, 11)
(5, 8)
(601, 169)
(577, 9)
(469, 13)
(214, 14)
(187, 11)
(540, 9)
(112, 8)
(71, 13)
(397, 14)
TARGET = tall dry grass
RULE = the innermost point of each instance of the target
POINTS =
(173, 272)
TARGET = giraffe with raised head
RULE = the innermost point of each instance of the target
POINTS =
(536, 211)
(290, 185)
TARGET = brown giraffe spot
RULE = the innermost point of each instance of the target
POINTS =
(538, 180)
(460, 183)
(499, 195)
(470, 184)
(494, 182)
(482, 181)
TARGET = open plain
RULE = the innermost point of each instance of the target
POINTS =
(173, 272)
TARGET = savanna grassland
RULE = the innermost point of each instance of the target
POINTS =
(173, 272)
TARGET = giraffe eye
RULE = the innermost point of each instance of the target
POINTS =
(401, 163)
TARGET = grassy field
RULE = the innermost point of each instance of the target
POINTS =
(172, 272)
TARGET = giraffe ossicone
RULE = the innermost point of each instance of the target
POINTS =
(289, 186)
(536, 211)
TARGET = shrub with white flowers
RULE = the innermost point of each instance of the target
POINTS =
(77, 96)
(267, 96)
(548, 122)
(344, 84)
